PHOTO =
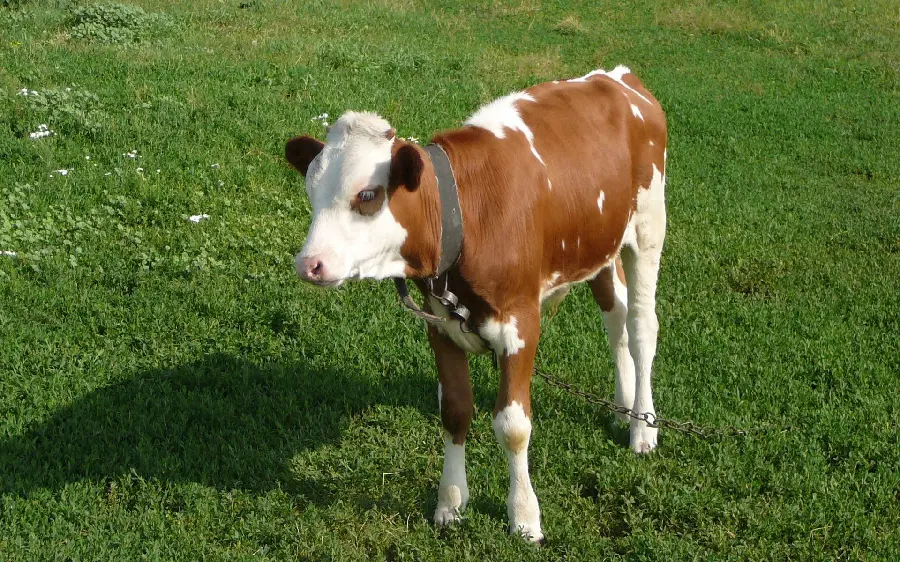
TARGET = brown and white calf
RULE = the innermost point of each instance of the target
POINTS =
(555, 183)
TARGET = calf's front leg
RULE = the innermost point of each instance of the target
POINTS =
(515, 341)
(456, 404)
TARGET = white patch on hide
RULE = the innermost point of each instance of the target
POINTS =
(637, 112)
(503, 114)
(502, 336)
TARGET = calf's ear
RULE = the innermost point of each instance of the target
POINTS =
(300, 151)
(406, 168)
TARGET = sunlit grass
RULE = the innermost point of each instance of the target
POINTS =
(168, 389)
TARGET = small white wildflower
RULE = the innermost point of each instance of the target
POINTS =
(140, 170)
(157, 171)
(108, 174)
(253, 42)
(132, 154)
(8, 253)
(198, 218)
(23, 92)
(87, 157)
(216, 165)
(63, 172)
(221, 183)
(43, 131)
(413, 139)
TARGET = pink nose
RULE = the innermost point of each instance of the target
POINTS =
(311, 269)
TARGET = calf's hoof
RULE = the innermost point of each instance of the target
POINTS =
(643, 438)
(446, 516)
(451, 502)
(531, 533)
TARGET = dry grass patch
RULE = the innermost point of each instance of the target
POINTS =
(571, 25)
(701, 16)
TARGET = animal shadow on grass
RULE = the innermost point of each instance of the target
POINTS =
(220, 421)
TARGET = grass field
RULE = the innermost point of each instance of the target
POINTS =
(170, 390)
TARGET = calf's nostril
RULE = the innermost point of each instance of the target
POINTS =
(316, 268)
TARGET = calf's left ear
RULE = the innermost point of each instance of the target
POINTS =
(300, 151)
(406, 167)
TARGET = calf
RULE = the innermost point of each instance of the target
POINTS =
(557, 184)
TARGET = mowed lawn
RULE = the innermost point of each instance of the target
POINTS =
(170, 390)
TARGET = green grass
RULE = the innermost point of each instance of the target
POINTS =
(170, 390)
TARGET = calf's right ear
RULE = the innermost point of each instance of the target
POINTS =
(300, 151)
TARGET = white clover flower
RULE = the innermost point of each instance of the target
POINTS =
(43, 131)
(63, 172)
(8, 253)
(198, 218)
(216, 165)
(323, 119)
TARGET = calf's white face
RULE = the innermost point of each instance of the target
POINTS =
(353, 234)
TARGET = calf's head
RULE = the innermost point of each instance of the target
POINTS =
(351, 180)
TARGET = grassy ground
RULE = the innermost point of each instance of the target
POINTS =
(169, 390)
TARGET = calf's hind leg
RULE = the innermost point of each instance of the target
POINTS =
(640, 258)
(609, 292)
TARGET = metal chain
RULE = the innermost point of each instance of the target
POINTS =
(688, 427)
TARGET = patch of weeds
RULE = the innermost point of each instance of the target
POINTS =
(753, 279)
(69, 110)
(118, 24)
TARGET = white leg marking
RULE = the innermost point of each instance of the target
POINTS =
(503, 337)
(641, 271)
(513, 431)
(614, 320)
(453, 491)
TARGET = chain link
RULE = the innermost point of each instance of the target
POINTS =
(688, 427)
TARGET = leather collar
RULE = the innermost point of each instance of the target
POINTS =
(451, 215)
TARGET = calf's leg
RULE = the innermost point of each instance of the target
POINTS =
(610, 294)
(456, 405)
(640, 259)
(515, 341)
